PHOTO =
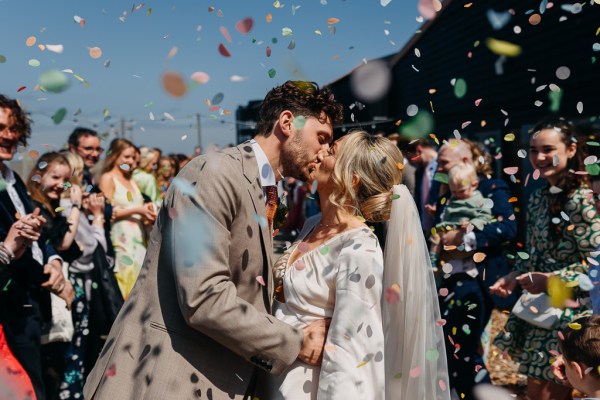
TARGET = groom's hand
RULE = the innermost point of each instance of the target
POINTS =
(315, 335)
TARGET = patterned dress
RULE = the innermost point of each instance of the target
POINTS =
(567, 257)
(127, 237)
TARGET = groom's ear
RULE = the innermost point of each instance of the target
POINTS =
(286, 123)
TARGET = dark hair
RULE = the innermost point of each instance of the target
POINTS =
(117, 146)
(77, 133)
(302, 99)
(22, 120)
(568, 181)
(43, 165)
(582, 344)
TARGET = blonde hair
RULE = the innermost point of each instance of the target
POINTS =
(462, 174)
(117, 146)
(146, 156)
(376, 162)
(76, 163)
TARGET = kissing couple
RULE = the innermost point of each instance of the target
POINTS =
(211, 317)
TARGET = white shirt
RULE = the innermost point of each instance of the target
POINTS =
(10, 179)
(267, 175)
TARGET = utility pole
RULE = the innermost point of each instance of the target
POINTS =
(199, 128)
(123, 127)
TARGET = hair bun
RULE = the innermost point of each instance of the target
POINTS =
(377, 208)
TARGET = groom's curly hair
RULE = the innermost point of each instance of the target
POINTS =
(302, 98)
(22, 122)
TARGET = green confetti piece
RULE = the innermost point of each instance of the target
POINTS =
(149, 104)
(398, 375)
(555, 100)
(34, 63)
(432, 354)
(2, 59)
(440, 177)
(5, 288)
(54, 81)
(523, 255)
(59, 116)
(466, 329)
(272, 73)
(418, 127)
(324, 250)
(3, 185)
(395, 196)
(593, 169)
(299, 121)
(460, 88)
(593, 144)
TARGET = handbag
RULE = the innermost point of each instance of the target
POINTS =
(61, 327)
(536, 310)
(106, 299)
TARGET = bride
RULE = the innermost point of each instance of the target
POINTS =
(385, 340)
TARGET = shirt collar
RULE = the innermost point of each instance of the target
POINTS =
(267, 175)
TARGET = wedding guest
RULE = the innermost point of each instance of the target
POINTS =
(167, 169)
(424, 159)
(25, 301)
(46, 183)
(465, 301)
(563, 227)
(129, 213)
(144, 174)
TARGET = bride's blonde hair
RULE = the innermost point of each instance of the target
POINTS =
(377, 164)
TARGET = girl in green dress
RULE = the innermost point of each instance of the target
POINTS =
(563, 228)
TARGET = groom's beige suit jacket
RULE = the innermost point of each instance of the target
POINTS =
(197, 323)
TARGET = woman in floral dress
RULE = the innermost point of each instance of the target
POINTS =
(562, 229)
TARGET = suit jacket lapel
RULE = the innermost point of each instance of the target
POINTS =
(255, 190)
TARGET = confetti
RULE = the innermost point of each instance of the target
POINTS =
(55, 48)
(575, 326)
(460, 88)
(511, 170)
(384, 3)
(479, 257)
(217, 98)
(535, 19)
(286, 32)
(268, 51)
(260, 280)
(503, 48)
(415, 372)
(174, 84)
(332, 21)
(59, 116)
(244, 26)
(34, 63)
(30, 41)
(225, 34)
(223, 50)
(95, 52)
(272, 73)
(2, 59)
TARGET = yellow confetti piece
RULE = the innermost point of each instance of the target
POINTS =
(575, 326)
(558, 291)
(318, 32)
(361, 219)
(362, 364)
(129, 196)
(503, 48)
(59, 209)
(509, 137)
(431, 106)
(79, 78)
(479, 257)
(332, 21)
(453, 330)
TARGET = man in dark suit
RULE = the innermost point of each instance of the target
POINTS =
(423, 157)
(465, 300)
(25, 301)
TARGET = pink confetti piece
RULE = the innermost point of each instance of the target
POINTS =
(299, 265)
(172, 213)
(225, 34)
(442, 385)
(244, 26)
(440, 322)
(477, 102)
(303, 247)
(260, 280)
(268, 51)
(443, 292)
(415, 372)
(511, 170)
(391, 296)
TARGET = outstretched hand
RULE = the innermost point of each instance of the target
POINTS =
(315, 336)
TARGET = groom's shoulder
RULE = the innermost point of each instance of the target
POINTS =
(226, 162)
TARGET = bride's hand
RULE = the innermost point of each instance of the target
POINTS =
(315, 336)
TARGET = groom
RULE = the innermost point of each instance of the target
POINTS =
(197, 323)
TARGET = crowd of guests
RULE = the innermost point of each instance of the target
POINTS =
(74, 239)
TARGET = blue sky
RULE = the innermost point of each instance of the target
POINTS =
(182, 36)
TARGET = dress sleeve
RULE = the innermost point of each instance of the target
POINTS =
(582, 234)
(353, 365)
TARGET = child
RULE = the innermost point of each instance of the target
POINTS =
(581, 356)
(466, 207)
